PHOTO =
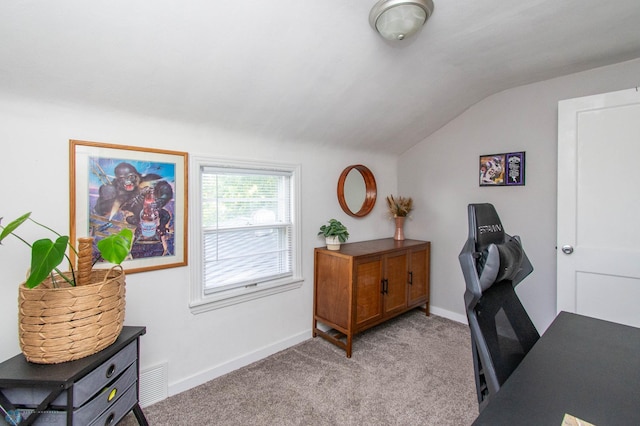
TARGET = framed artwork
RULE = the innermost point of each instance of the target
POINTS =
(143, 189)
(505, 169)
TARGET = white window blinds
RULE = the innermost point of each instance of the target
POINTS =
(246, 227)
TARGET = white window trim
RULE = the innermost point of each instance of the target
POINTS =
(201, 302)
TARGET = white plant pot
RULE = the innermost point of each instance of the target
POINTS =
(333, 243)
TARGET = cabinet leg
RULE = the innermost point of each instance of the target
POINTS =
(424, 309)
(137, 411)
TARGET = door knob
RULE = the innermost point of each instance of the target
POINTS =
(567, 249)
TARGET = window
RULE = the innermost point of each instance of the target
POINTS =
(244, 231)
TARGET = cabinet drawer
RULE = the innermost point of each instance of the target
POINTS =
(84, 388)
(118, 410)
(109, 396)
(105, 400)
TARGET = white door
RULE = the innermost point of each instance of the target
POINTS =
(599, 206)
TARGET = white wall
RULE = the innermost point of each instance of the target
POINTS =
(441, 173)
(34, 177)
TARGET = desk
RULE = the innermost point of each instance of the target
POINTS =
(583, 366)
(98, 389)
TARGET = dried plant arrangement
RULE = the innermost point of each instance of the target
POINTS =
(399, 206)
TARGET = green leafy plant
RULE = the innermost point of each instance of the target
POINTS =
(46, 255)
(334, 228)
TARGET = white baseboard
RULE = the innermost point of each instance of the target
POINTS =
(448, 314)
(242, 361)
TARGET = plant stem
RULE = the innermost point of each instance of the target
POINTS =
(72, 282)
(18, 237)
(59, 235)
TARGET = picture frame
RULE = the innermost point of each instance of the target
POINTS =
(145, 189)
(505, 169)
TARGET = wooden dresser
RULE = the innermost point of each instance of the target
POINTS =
(366, 283)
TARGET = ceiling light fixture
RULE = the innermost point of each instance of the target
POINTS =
(398, 19)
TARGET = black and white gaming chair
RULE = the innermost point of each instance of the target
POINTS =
(502, 333)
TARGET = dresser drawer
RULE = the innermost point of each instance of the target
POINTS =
(118, 410)
(84, 388)
(105, 400)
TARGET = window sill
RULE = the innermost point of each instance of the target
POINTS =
(235, 296)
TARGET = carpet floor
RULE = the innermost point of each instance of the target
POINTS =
(411, 370)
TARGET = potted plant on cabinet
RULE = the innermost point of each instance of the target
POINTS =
(334, 233)
(65, 316)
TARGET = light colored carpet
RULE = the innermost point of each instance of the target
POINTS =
(412, 370)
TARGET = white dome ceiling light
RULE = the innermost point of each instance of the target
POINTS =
(398, 19)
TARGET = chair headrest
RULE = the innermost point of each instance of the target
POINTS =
(490, 255)
(485, 226)
(500, 262)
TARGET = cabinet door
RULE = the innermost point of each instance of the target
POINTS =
(419, 277)
(368, 291)
(396, 273)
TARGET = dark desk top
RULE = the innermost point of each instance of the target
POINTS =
(582, 366)
(17, 371)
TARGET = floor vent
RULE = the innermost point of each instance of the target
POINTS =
(154, 384)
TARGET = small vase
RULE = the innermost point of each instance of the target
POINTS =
(399, 235)
(333, 243)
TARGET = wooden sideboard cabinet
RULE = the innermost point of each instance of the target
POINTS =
(366, 283)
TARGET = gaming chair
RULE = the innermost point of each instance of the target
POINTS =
(502, 333)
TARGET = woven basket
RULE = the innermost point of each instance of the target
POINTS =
(68, 323)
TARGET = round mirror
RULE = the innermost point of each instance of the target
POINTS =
(357, 190)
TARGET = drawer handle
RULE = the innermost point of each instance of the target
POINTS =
(112, 394)
(110, 419)
(111, 370)
(410, 277)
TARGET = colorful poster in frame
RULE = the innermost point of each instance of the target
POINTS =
(505, 169)
(143, 189)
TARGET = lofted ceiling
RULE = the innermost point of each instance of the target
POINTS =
(309, 71)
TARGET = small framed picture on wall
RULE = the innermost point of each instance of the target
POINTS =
(505, 169)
